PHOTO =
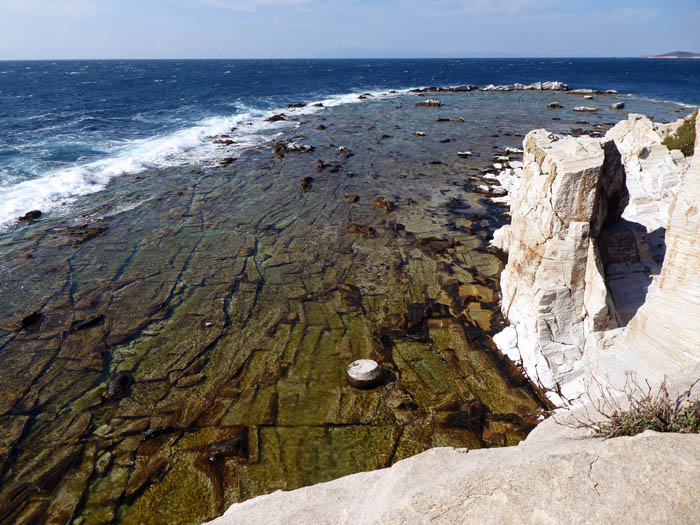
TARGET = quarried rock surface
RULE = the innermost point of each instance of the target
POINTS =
(554, 481)
(663, 336)
(553, 287)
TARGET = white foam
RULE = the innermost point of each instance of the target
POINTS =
(188, 146)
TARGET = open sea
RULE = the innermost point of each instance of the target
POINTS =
(68, 127)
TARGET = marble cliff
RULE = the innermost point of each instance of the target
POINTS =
(584, 290)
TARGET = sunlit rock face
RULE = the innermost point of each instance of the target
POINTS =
(582, 261)
(553, 287)
(663, 335)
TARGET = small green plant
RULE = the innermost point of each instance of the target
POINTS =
(644, 410)
(684, 137)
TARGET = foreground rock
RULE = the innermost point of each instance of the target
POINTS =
(559, 474)
(555, 480)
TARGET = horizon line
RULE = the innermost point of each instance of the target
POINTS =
(347, 58)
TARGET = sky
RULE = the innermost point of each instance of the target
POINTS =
(86, 29)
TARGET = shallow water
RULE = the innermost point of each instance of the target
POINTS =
(234, 301)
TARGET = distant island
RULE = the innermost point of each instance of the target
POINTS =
(677, 54)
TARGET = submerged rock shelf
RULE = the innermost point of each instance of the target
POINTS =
(161, 363)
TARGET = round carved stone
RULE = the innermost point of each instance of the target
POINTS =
(364, 373)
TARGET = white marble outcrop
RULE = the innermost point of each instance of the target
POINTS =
(553, 287)
(654, 172)
(576, 278)
(664, 335)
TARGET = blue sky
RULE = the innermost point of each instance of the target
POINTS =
(54, 29)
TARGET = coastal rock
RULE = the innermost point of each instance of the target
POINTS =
(617, 105)
(430, 103)
(585, 109)
(607, 481)
(588, 274)
(662, 337)
(30, 216)
(288, 146)
(553, 287)
(118, 386)
(554, 105)
(653, 172)
(276, 118)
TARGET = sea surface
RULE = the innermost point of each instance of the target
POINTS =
(68, 127)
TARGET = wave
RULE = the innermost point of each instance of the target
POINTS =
(189, 146)
(666, 101)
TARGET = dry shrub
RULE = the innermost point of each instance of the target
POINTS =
(645, 409)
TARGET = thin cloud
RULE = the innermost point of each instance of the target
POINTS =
(52, 7)
(252, 5)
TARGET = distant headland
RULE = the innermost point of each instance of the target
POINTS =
(677, 54)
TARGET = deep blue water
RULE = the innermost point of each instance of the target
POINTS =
(68, 127)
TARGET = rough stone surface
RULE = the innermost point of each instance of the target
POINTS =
(653, 172)
(583, 302)
(553, 287)
(663, 336)
(554, 481)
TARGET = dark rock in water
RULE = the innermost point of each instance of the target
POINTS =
(554, 105)
(320, 165)
(84, 233)
(430, 103)
(442, 120)
(292, 106)
(306, 184)
(236, 447)
(30, 216)
(30, 321)
(288, 146)
(350, 295)
(356, 228)
(434, 245)
(556, 118)
(435, 162)
(318, 105)
(227, 161)
(276, 118)
(335, 168)
(470, 416)
(226, 142)
(77, 326)
(352, 197)
(384, 204)
(375, 175)
(365, 96)
(617, 105)
(445, 141)
(118, 386)
(320, 127)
